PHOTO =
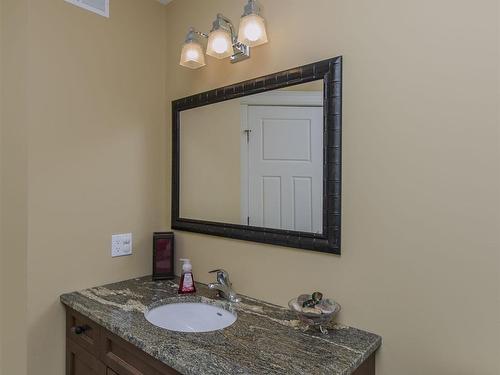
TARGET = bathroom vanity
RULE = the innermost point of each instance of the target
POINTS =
(108, 334)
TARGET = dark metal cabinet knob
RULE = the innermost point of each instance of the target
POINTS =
(78, 330)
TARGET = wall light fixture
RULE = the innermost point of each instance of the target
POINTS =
(223, 41)
(192, 55)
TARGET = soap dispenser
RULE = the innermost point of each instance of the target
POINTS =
(186, 285)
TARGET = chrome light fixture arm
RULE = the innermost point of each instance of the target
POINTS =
(191, 35)
(203, 35)
(241, 51)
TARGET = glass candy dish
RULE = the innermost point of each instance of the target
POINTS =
(318, 315)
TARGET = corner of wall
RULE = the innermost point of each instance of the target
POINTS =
(1, 245)
(13, 187)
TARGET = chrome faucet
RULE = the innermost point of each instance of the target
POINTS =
(224, 286)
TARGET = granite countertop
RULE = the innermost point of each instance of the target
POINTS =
(264, 340)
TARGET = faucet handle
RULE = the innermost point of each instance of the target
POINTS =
(222, 275)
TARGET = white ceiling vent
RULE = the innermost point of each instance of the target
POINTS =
(100, 7)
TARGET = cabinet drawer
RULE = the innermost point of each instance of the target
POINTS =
(81, 362)
(83, 331)
(125, 359)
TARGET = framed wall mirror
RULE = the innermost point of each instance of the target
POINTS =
(261, 160)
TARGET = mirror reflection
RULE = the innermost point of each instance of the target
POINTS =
(255, 160)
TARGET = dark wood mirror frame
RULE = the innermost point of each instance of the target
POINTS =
(330, 71)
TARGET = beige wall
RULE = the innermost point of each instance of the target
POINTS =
(92, 145)
(210, 162)
(14, 158)
(1, 242)
(421, 186)
(2, 304)
(310, 86)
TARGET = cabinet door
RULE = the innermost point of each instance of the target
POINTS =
(110, 372)
(81, 362)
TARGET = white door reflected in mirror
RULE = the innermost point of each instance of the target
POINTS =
(285, 168)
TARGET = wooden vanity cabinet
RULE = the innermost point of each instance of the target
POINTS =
(93, 350)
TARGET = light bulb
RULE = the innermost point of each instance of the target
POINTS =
(192, 55)
(252, 31)
(219, 45)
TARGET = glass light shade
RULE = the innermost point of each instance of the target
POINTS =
(192, 55)
(219, 44)
(252, 30)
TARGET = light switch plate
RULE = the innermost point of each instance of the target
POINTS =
(121, 244)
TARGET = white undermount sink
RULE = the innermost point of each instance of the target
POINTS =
(190, 317)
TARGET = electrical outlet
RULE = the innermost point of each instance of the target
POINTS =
(121, 244)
